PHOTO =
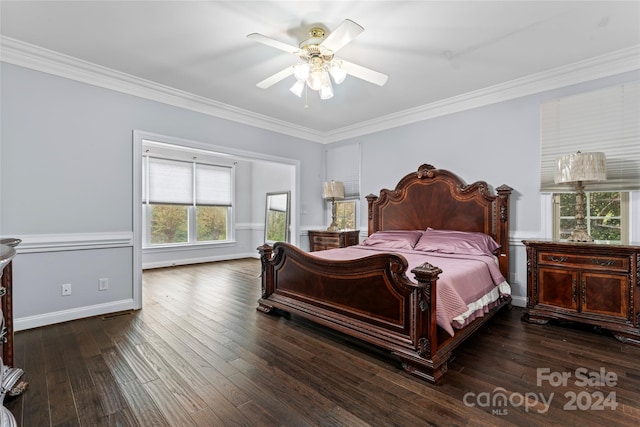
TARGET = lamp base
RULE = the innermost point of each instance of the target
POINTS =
(579, 235)
(334, 225)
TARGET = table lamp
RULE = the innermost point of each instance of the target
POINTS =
(578, 168)
(333, 190)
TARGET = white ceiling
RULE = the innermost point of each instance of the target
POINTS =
(436, 53)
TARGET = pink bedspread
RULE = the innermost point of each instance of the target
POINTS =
(465, 280)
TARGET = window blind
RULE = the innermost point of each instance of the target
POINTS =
(606, 120)
(213, 185)
(343, 164)
(277, 202)
(170, 181)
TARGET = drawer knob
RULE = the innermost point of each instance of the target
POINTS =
(557, 259)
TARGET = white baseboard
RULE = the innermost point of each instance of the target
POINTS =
(200, 260)
(519, 301)
(30, 322)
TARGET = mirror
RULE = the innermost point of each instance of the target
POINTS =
(276, 223)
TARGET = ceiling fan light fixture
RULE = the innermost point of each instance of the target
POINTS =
(297, 88)
(318, 78)
(337, 72)
(318, 66)
(301, 71)
(326, 92)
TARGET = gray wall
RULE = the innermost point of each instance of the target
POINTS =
(67, 164)
(66, 186)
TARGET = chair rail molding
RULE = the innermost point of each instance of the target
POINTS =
(73, 241)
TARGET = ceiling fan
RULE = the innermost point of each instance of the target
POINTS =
(318, 61)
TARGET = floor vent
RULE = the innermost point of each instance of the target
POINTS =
(118, 314)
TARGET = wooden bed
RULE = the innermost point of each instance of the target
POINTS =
(402, 316)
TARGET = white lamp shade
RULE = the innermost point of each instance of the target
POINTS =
(326, 92)
(337, 73)
(333, 190)
(301, 71)
(297, 88)
(318, 78)
(581, 167)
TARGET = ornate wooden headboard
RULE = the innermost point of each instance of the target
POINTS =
(439, 199)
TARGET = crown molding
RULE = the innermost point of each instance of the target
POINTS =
(610, 64)
(27, 55)
(37, 58)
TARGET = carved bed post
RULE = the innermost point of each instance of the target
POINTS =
(504, 191)
(427, 275)
(426, 362)
(371, 198)
(268, 284)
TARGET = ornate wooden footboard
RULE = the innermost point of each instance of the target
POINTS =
(372, 298)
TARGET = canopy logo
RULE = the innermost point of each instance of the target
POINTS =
(500, 400)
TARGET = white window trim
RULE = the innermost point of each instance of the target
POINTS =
(624, 217)
(356, 213)
(547, 216)
(185, 150)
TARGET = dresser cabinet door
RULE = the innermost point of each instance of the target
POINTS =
(558, 288)
(606, 294)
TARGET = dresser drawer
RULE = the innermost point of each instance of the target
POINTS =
(352, 239)
(320, 240)
(592, 262)
(326, 240)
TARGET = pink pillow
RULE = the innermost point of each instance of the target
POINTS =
(456, 242)
(394, 239)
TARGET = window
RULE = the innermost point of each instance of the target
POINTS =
(185, 201)
(346, 214)
(606, 215)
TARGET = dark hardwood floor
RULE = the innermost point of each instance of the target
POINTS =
(199, 353)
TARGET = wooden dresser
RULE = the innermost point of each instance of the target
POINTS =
(592, 283)
(321, 239)
(7, 252)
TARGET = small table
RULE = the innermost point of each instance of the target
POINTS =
(320, 240)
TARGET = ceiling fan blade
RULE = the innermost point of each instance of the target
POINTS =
(280, 75)
(342, 35)
(273, 43)
(364, 73)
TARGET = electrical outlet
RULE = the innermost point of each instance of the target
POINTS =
(66, 289)
(103, 284)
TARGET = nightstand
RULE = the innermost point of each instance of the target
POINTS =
(597, 284)
(321, 239)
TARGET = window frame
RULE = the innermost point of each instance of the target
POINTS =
(356, 204)
(625, 216)
(180, 153)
